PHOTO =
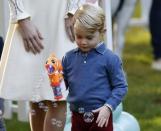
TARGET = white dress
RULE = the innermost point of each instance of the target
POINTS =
(23, 75)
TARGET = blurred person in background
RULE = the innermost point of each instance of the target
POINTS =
(155, 30)
(122, 11)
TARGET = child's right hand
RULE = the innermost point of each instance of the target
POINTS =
(103, 116)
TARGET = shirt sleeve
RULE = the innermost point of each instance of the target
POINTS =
(17, 11)
(118, 82)
(73, 5)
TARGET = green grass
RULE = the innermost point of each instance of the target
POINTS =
(144, 96)
(15, 125)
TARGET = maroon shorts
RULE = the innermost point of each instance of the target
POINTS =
(78, 123)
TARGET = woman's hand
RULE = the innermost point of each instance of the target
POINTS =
(103, 116)
(31, 36)
(69, 27)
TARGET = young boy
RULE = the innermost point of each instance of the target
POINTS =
(92, 73)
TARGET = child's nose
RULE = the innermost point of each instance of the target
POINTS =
(83, 42)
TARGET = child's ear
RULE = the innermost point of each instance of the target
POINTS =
(104, 28)
(102, 36)
(103, 31)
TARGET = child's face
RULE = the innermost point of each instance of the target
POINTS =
(86, 41)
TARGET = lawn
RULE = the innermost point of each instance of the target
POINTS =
(144, 96)
(15, 125)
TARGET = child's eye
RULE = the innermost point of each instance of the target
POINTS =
(89, 37)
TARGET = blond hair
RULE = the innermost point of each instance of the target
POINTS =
(89, 18)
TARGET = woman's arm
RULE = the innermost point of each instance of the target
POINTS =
(73, 5)
(32, 38)
(17, 11)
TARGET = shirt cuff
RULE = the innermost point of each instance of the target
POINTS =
(109, 106)
(15, 19)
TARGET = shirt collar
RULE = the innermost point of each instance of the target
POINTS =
(100, 48)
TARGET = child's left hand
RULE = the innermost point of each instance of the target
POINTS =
(103, 116)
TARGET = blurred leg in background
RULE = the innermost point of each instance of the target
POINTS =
(155, 30)
(2, 125)
(121, 16)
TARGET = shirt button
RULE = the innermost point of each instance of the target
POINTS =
(85, 62)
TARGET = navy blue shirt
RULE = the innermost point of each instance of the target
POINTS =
(94, 79)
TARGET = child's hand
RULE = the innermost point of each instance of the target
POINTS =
(103, 116)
